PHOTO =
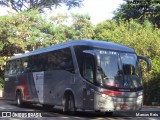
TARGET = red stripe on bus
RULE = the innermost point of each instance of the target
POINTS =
(112, 93)
(26, 93)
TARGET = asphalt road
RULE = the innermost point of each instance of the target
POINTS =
(57, 114)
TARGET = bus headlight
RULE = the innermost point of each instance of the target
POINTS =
(139, 99)
(107, 97)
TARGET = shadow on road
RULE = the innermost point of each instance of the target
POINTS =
(55, 112)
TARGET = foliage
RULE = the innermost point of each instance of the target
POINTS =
(28, 31)
(145, 39)
(18, 32)
(141, 10)
(23, 5)
(79, 28)
(1, 83)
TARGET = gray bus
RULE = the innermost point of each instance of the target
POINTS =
(79, 74)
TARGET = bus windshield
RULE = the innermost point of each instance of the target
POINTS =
(120, 70)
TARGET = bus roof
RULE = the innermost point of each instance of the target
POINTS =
(93, 43)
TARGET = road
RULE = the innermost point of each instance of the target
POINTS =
(57, 114)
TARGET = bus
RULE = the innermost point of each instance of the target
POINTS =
(78, 75)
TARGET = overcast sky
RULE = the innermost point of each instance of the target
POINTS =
(99, 10)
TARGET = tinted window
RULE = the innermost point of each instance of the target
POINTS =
(86, 63)
(39, 62)
(13, 67)
(88, 68)
(19, 66)
(79, 55)
(26, 67)
(60, 60)
(7, 69)
(55, 60)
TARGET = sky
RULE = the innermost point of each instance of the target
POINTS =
(98, 10)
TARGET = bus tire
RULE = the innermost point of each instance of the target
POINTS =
(109, 114)
(69, 104)
(19, 100)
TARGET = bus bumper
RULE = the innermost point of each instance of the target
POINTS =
(106, 103)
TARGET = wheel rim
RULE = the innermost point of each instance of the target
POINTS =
(69, 104)
(18, 100)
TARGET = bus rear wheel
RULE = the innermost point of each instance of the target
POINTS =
(19, 100)
(69, 104)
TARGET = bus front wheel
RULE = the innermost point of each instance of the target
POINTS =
(109, 113)
(69, 104)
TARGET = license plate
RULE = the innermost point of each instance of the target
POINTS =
(124, 105)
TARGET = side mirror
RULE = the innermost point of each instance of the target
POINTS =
(147, 61)
(95, 55)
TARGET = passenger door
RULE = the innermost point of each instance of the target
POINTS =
(88, 85)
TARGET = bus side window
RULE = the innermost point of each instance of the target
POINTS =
(51, 61)
(19, 66)
(88, 69)
(43, 62)
(61, 60)
(7, 69)
(79, 56)
(66, 62)
(13, 67)
(35, 63)
(25, 65)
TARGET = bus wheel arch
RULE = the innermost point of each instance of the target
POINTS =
(68, 102)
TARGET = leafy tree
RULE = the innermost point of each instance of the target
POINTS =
(80, 27)
(21, 32)
(141, 10)
(22, 5)
(30, 31)
(144, 38)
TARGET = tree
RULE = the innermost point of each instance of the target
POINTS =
(30, 31)
(23, 32)
(141, 10)
(23, 5)
(80, 27)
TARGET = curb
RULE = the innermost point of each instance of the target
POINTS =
(151, 106)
